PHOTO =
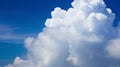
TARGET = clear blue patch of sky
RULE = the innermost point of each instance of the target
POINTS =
(29, 15)
(115, 6)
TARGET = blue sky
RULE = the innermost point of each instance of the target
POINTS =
(22, 18)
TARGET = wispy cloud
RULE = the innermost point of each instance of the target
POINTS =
(8, 34)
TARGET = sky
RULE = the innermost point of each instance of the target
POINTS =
(22, 19)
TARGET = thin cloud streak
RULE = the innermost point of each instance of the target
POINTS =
(8, 34)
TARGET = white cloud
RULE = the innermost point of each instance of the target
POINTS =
(8, 34)
(114, 48)
(73, 37)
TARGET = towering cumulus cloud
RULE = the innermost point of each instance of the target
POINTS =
(82, 36)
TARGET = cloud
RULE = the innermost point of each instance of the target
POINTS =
(114, 48)
(4, 29)
(8, 34)
(77, 37)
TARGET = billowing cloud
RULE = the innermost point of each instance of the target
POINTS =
(114, 48)
(77, 37)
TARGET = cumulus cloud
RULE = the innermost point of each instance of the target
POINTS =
(77, 37)
(114, 48)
